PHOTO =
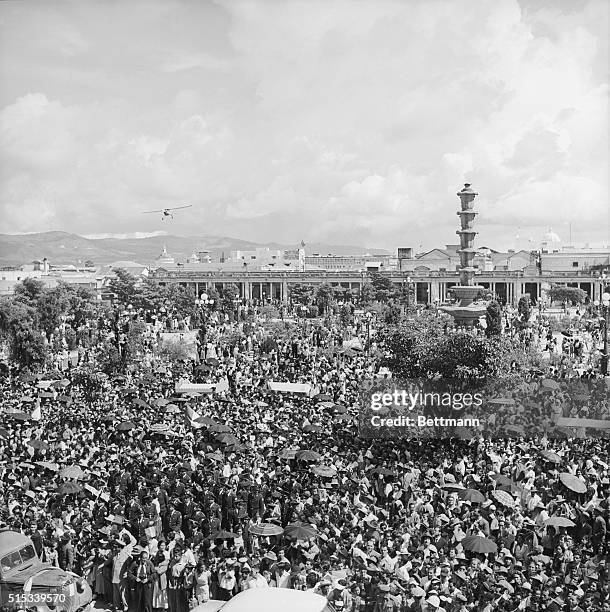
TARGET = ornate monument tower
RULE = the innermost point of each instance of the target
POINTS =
(468, 309)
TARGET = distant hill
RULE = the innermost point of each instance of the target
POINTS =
(66, 248)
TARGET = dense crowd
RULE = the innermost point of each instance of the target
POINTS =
(163, 500)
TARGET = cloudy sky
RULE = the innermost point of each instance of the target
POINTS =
(349, 122)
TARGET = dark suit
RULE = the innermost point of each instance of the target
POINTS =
(141, 577)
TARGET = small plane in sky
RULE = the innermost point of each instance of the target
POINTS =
(166, 212)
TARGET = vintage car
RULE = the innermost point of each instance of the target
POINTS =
(26, 583)
(269, 600)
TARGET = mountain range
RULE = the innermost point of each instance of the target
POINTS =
(66, 248)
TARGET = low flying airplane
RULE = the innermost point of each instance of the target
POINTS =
(166, 212)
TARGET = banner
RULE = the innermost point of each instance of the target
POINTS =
(586, 423)
(187, 387)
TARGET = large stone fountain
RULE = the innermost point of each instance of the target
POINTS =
(468, 309)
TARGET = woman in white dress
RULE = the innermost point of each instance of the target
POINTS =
(202, 584)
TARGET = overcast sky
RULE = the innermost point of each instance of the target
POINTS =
(348, 122)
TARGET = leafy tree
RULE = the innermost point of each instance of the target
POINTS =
(493, 317)
(28, 347)
(228, 295)
(571, 295)
(124, 286)
(324, 297)
(367, 293)
(181, 298)
(29, 290)
(51, 305)
(301, 294)
(345, 315)
(524, 308)
(269, 312)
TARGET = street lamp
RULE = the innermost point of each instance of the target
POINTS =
(203, 303)
(408, 293)
(368, 333)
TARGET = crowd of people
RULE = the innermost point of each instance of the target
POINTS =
(163, 499)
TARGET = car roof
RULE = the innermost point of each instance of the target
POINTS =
(10, 540)
(275, 600)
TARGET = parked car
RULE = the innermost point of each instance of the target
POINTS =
(269, 600)
(26, 583)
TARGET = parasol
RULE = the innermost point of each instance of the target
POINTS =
(326, 471)
(38, 444)
(72, 472)
(172, 409)
(227, 438)
(220, 428)
(266, 529)
(140, 402)
(308, 455)
(48, 465)
(160, 402)
(216, 456)
(300, 531)
(205, 420)
(573, 482)
(19, 416)
(479, 544)
(471, 495)
(550, 384)
(453, 486)
(504, 498)
(559, 521)
(68, 488)
(126, 426)
(550, 456)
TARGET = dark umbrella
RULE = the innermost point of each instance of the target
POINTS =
(479, 544)
(308, 455)
(68, 488)
(126, 426)
(227, 438)
(300, 531)
(472, 495)
(38, 444)
(206, 420)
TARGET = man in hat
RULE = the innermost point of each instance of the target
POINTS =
(141, 575)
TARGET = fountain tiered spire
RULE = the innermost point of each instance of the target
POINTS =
(468, 310)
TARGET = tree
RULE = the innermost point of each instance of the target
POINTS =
(228, 295)
(124, 286)
(51, 305)
(524, 308)
(269, 312)
(29, 290)
(493, 318)
(324, 297)
(382, 286)
(301, 294)
(571, 295)
(367, 293)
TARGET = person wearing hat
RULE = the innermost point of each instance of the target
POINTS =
(141, 575)
(433, 604)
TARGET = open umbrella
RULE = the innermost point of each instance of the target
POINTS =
(68, 488)
(172, 409)
(479, 544)
(266, 529)
(4, 433)
(220, 428)
(453, 486)
(559, 521)
(472, 495)
(126, 426)
(550, 456)
(501, 479)
(73, 472)
(48, 465)
(38, 444)
(326, 471)
(300, 531)
(140, 402)
(573, 482)
(215, 456)
(19, 416)
(160, 402)
(206, 420)
(226, 438)
(308, 455)
(504, 498)
(549, 383)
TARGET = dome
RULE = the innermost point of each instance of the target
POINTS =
(551, 237)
